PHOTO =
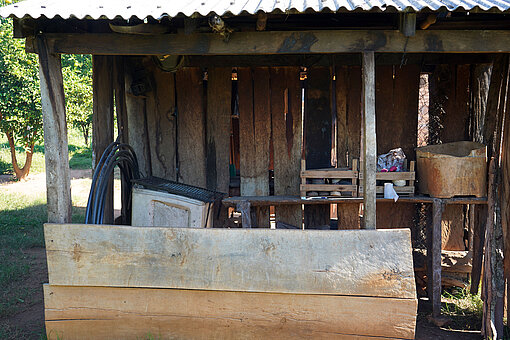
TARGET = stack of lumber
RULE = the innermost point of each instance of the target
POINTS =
(122, 282)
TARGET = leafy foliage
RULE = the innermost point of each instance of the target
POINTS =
(20, 107)
(20, 103)
(76, 71)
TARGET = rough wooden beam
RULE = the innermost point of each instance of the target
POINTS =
(102, 313)
(279, 42)
(369, 141)
(58, 183)
(102, 119)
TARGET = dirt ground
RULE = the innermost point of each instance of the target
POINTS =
(32, 319)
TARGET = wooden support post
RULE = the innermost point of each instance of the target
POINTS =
(369, 141)
(102, 119)
(434, 258)
(58, 183)
(122, 128)
(244, 208)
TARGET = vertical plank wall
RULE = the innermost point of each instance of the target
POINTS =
(161, 122)
(218, 122)
(254, 136)
(449, 98)
(191, 127)
(397, 123)
(348, 124)
(135, 107)
(318, 135)
(287, 131)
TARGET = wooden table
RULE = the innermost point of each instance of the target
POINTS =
(244, 203)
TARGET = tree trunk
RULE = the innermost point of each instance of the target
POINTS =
(21, 173)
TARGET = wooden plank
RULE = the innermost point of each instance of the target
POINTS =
(348, 124)
(452, 228)
(102, 119)
(505, 205)
(317, 135)
(191, 127)
(287, 131)
(254, 135)
(56, 155)
(161, 122)
(219, 90)
(281, 200)
(280, 42)
(261, 260)
(434, 267)
(478, 244)
(136, 117)
(395, 215)
(128, 313)
(369, 141)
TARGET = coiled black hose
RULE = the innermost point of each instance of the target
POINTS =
(116, 154)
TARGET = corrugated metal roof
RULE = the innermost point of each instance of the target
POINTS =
(126, 9)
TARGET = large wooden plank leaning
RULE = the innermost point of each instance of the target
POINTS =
(257, 260)
(133, 313)
(56, 155)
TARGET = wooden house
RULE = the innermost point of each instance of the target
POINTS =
(232, 96)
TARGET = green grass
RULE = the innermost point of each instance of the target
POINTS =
(463, 308)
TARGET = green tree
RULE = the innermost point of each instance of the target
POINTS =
(20, 108)
(77, 74)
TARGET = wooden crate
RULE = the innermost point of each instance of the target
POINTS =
(408, 176)
(330, 173)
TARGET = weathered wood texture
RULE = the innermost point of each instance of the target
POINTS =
(102, 119)
(191, 128)
(369, 142)
(480, 219)
(136, 122)
(119, 88)
(287, 132)
(479, 88)
(396, 103)
(434, 258)
(56, 155)
(452, 228)
(128, 313)
(280, 42)
(493, 283)
(219, 91)
(318, 134)
(258, 260)
(396, 108)
(161, 122)
(348, 124)
(254, 135)
(505, 202)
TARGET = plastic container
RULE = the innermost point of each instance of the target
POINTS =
(452, 169)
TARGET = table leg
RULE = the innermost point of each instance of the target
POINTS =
(434, 258)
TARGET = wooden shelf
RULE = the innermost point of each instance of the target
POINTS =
(289, 200)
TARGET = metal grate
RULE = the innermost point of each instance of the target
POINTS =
(181, 189)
